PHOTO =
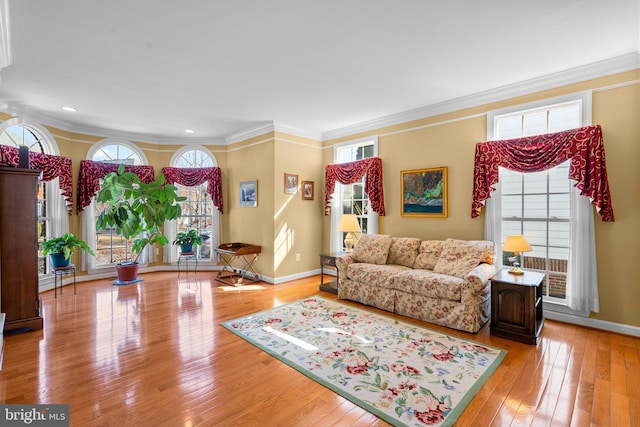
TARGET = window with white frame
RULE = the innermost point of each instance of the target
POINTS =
(198, 211)
(538, 205)
(52, 214)
(351, 198)
(110, 247)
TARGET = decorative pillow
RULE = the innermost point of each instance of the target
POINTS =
(458, 258)
(372, 248)
(429, 254)
(403, 251)
(488, 250)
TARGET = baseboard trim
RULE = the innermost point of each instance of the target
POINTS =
(593, 323)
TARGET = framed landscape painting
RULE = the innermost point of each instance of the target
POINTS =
(249, 194)
(424, 192)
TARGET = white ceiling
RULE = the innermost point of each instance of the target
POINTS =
(154, 68)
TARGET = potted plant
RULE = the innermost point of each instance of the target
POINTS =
(138, 211)
(60, 248)
(188, 240)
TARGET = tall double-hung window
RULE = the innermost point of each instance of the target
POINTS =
(110, 247)
(351, 198)
(52, 213)
(544, 206)
(198, 211)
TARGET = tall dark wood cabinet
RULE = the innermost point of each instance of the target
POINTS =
(19, 248)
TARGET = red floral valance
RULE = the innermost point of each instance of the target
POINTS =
(52, 167)
(191, 177)
(583, 146)
(348, 173)
(92, 172)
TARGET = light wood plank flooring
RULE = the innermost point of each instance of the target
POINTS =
(153, 354)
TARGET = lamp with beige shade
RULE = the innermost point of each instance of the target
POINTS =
(349, 224)
(516, 243)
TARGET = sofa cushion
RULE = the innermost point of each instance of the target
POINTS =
(403, 251)
(429, 284)
(372, 248)
(458, 258)
(488, 250)
(374, 275)
(428, 254)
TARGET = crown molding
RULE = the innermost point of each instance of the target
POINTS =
(618, 64)
(250, 133)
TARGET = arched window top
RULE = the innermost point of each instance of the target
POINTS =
(193, 157)
(17, 131)
(112, 150)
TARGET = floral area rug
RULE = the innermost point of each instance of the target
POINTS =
(400, 372)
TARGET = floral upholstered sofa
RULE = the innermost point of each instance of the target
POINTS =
(440, 281)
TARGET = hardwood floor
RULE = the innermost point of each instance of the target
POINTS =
(153, 353)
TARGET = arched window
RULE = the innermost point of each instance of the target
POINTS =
(108, 246)
(198, 211)
(52, 215)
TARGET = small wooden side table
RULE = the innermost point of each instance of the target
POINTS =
(516, 306)
(329, 260)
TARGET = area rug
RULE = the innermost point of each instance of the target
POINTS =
(400, 372)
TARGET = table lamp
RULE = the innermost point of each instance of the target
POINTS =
(349, 224)
(516, 243)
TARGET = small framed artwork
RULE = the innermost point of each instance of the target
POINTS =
(424, 193)
(249, 194)
(290, 183)
(307, 190)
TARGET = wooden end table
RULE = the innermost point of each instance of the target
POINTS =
(516, 306)
(329, 260)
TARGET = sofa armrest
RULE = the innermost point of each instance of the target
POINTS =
(477, 280)
(342, 263)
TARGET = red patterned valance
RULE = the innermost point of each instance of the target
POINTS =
(191, 177)
(52, 167)
(582, 146)
(92, 172)
(348, 173)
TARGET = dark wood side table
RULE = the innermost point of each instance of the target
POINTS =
(516, 306)
(329, 260)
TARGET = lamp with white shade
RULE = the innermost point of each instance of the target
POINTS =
(517, 244)
(349, 224)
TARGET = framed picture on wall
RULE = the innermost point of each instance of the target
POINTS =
(290, 183)
(307, 190)
(424, 192)
(249, 194)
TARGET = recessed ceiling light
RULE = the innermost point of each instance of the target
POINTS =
(189, 131)
(70, 109)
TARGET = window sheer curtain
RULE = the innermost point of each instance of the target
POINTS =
(585, 149)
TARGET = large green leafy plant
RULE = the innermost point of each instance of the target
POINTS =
(136, 209)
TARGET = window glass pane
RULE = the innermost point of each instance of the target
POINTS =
(511, 207)
(511, 182)
(535, 182)
(535, 206)
(564, 117)
(535, 232)
(509, 127)
(535, 123)
(559, 206)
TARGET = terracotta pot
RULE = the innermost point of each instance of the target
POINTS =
(127, 272)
